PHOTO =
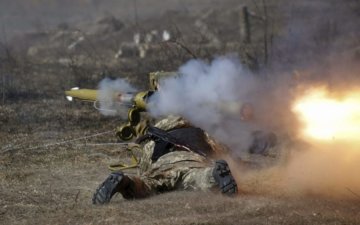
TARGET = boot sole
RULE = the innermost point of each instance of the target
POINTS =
(107, 189)
(224, 179)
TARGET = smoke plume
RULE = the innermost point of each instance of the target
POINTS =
(210, 95)
(317, 51)
(323, 52)
(107, 93)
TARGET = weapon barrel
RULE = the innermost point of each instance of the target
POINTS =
(83, 94)
(139, 99)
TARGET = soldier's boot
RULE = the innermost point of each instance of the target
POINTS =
(109, 187)
(130, 188)
(223, 178)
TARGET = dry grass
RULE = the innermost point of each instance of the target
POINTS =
(54, 184)
(55, 187)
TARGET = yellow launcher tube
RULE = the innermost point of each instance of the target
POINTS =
(138, 100)
(83, 94)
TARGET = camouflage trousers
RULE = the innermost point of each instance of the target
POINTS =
(178, 170)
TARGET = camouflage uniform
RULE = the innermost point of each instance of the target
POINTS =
(177, 169)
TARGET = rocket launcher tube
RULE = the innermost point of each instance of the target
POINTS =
(82, 94)
(137, 100)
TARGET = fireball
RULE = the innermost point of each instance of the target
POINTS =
(328, 117)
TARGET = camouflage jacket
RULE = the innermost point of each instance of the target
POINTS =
(145, 151)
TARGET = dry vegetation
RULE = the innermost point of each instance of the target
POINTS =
(45, 183)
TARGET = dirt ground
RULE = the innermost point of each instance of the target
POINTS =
(49, 167)
(55, 186)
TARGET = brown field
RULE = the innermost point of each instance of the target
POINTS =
(49, 170)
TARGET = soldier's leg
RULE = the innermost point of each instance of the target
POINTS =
(199, 179)
(175, 170)
(216, 177)
(188, 170)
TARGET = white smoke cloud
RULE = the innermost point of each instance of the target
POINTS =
(210, 95)
(108, 89)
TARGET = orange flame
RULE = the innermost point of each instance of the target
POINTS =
(326, 117)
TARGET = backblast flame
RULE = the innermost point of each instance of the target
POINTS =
(329, 118)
